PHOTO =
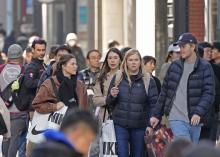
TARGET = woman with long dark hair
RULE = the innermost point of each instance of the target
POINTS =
(110, 66)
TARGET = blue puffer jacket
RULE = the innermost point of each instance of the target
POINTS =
(200, 88)
(132, 107)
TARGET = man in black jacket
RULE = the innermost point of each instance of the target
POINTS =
(32, 74)
(187, 92)
(35, 68)
(78, 129)
(209, 130)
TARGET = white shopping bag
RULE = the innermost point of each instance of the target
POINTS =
(108, 140)
(42, 122)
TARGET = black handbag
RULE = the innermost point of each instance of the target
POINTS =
(3, 128)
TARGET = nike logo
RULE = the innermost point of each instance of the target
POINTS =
(36, 132)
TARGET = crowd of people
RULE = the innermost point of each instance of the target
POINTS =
(121, 86)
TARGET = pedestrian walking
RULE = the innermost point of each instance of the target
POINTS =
(131, 102)
(187, 92)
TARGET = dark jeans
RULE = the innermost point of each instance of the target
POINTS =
(129, 138)
(18, 126)
(23, 142)
(210, 132)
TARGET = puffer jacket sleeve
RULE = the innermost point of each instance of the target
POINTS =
(158, 113)
(208, 91)
(152, 96)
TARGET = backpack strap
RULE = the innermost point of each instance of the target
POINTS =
(146, 80)
(54, 88)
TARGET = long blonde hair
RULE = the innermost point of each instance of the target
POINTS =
(124, 67)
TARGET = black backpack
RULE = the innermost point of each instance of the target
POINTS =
(20, 97)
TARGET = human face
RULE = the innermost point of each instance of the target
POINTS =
(150, 66)
(61, 53)
(215, 54)
(28, 57)
(207, 53)
(94, 58)
(175, 55)
(39, 51)
(133, 64)
(113, 60)
(82, 139)
(71, 43)
(70, 68)
(187, 50)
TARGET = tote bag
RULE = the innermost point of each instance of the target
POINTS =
(108, 138)
(42, 122)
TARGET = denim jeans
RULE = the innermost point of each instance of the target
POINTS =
(22, 144)
(134, 137)
(18, 125)
(185, 130)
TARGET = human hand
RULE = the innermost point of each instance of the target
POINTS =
(60, 105)
(114, 91)
(154, 121)
(149, 130)
(195, 120)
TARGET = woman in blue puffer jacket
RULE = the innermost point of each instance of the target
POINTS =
(131, 104)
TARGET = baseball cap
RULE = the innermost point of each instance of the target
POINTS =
(186, 38)
(174, 48)
(71, 36)
(15, 51)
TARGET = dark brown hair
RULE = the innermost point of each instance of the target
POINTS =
(105, 67)
(63, 60)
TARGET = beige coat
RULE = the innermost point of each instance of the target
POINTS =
(6, 116)
(99, 97)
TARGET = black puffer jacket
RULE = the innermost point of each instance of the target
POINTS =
(31, 77)
(200, 88)
(132, 107)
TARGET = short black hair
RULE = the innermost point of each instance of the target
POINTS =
(28, 50)
(202, 151)
(124, 50)
(147, 59)
(39, 41)
(216, 45)
(200, 51)
(205, 44)
(75, 116)
(201, 47)
(113, 43)
(93, 50)
(3, 32)
(61, 48)
(52, 52)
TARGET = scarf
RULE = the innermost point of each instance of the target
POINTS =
(67, 90)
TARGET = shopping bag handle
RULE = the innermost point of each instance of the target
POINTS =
(109, 114)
